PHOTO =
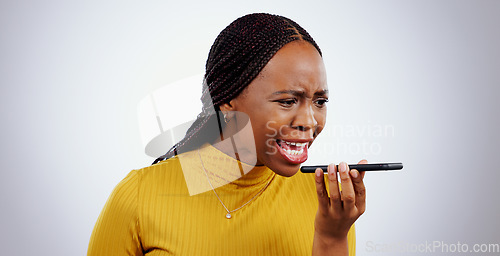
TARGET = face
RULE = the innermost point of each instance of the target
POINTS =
(286, 104)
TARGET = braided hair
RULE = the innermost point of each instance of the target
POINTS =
(237, 56)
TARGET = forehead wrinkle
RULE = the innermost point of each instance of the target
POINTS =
(293, 92)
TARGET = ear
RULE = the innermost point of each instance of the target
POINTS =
(226, 107)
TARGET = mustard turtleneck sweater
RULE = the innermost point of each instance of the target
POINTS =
(170, 209)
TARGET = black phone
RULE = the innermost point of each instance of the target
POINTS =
(359, 167)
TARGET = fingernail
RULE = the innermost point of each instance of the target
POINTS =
(329, 171)
(354, 174)
(318, 173)
(342, 167)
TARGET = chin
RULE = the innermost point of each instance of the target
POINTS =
(284, 159)
(283, 169)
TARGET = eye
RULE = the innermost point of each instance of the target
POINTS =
(287, 102)
(321, 102)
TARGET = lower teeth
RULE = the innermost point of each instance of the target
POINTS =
(294, 152)
(289, 151)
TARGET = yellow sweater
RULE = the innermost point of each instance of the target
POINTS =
(151, 212)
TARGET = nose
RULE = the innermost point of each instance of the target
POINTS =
(305, 120)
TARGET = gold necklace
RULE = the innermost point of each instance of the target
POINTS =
(228, 215)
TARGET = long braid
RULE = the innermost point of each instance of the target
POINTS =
(237, 56)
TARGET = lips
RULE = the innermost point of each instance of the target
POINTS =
(293, 152)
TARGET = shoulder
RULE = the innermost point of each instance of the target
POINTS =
(166, 176)
(162, 169)
(139, 182)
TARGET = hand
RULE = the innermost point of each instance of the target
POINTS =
(338, 212)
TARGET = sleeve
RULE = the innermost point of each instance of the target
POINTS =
(117, 229)
(351, 240)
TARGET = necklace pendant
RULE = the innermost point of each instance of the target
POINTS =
(228, 215)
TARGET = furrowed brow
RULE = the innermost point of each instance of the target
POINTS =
(301, 93)
(321, 93)
(292, 92)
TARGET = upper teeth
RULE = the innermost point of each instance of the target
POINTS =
(296, 143)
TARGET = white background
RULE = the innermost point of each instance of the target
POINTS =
(73, 73)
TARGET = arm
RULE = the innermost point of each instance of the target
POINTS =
(116, 231)
(337, 212)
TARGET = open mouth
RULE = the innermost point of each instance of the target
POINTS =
(293, 152)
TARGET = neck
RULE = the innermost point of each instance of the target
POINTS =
(228, 169)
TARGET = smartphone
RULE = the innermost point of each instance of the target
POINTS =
(359, 167)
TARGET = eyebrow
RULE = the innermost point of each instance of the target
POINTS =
(300, 93)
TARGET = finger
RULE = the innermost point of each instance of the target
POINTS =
(359, 188)
(362, 174)
(364, 161)
(348, 195)
(333, 186)
(321, 190)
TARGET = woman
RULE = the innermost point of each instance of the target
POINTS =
(232, 186)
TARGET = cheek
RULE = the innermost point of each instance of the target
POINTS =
(265, 123)
(265, 134)
(321, 119)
